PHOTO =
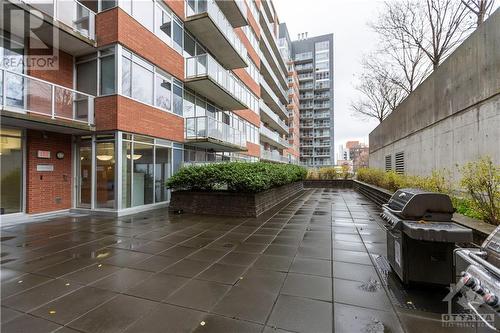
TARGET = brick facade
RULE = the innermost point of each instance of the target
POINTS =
(50, 190)
(124, 114)
(115, 26)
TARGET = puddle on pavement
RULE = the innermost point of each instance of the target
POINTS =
(376, 326)
(371, 285)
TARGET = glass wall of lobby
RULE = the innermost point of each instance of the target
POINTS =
(120, 171)
(12, 171)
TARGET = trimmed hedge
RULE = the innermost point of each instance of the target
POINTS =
(236, 177)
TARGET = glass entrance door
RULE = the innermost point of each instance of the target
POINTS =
(11, 166)
(84, 170)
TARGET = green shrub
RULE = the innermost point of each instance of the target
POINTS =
(236, 176)
(481, 181)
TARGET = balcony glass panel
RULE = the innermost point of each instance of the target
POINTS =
(205, 127)
(205, 65)
(70, 12)
(195, 7)
(26, 93)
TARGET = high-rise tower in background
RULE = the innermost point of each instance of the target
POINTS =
(313, 62)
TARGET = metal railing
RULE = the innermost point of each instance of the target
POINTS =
(274, 58)
(303, 56)
(273, 136)
(210, 7)
(272, 155)
(275, 98)
(322, 85)
(70, 12)
(274, 78)
(267, 110)
(206, 65)
(205, 127)
(23, 93)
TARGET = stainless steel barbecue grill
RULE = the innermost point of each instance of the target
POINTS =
(477, 271)
(421, 236)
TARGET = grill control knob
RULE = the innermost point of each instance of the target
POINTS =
(467, 279)
(491, 299)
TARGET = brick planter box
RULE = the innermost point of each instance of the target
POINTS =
(333, 183)
(232, 203)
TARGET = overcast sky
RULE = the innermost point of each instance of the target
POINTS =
(347, 20)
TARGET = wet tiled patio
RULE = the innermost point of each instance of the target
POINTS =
(308, 266)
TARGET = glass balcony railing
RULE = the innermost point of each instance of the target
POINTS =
(272, 155)
(277, 103)
(274, 136)
(195, 7)
(205, 127)
(303, 56)
(23, 93)
(205, 65)
(267, 110)
(322, 85)
(70, 12)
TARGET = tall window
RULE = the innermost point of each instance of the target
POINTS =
(145, 83)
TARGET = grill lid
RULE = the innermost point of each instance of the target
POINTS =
(492, 247)
(416, 204)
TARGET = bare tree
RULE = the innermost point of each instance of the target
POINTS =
(407, 60)
(435, 27)
(380, 95)
(481, 8)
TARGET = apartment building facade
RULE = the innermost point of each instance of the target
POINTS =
(313, 61)
(102, 101)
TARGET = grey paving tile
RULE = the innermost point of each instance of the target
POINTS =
(157, 287)
(155, 263)
(351, 271)
(246, 303)
(353, 293)
(262, 280)
(312, 266)
(22, 283)
(222, 273)
(239, 259)
(71, 306)
(125, 258)
(122, 280)
(187, 267)
(317, 252)
(217, 324)
(355, 257)
(27, 323)
(250, 248)
(178, 251)
(199, 295)
(114, 316)
(349, 319)
(165, 318)
(301, 315)
(92, 273)
(40, 295)
(343, 245)
(310, 286)
(208, 255)
(274, 263)
(281, 250)
(8, 314)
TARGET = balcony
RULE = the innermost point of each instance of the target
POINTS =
(272, 80)
(206, 21)
(272, 100)
(322, 105)
(305, 77)
(271, 118)
(206, 76)
(209, 133)
(235, 11)
(75, 23)
(322, 125)
(305, 56)
(306, 86)
(272, 138)
(273, 156)
(322, 85)
(304, 68)
(271, 52)
(322, 115)
(26, 97)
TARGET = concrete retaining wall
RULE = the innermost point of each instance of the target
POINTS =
(454, 116)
